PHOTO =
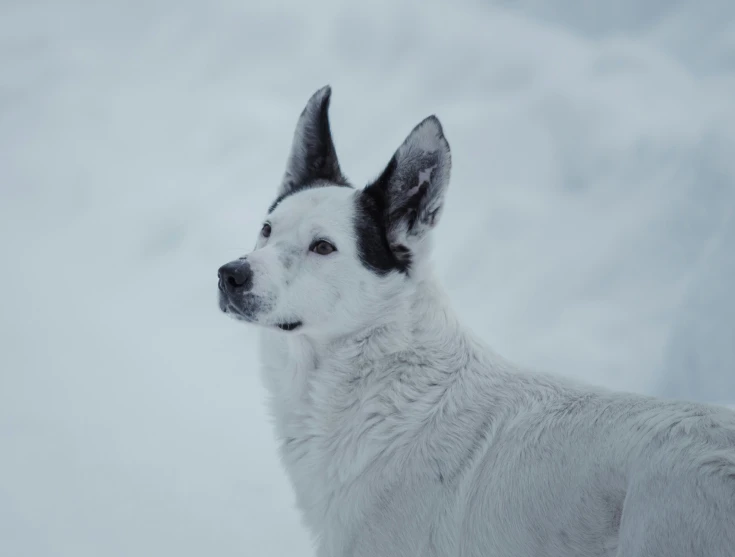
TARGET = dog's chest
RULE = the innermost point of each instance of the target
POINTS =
(327, 430)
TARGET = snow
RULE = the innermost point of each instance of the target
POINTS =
(589, 228)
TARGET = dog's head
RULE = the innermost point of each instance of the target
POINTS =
(330, 258)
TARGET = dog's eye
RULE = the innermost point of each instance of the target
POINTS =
(322, 247)
(266, 230)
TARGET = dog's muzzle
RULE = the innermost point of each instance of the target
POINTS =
(235, 277)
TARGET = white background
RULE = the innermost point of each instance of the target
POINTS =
(589, 228)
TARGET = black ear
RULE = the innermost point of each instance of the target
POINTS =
(313, 156)
(411, 188)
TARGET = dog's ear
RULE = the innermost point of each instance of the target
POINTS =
(313, 156)
(412, 187)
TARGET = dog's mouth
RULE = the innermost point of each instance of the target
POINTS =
(289, 326)
(248, 312)
(234, 310)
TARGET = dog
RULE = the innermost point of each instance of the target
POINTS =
(404, 435)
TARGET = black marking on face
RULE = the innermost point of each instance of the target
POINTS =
(408, 195)
(288, 257)
(244, 308)
(405, 201)
(370, 229)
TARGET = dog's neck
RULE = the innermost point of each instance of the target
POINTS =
(418, 347)
(336, 403)
(420, 320)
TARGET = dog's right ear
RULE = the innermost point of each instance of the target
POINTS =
(410, 191)
(313, 156)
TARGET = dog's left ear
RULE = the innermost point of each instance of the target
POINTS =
(412, 187)
(313, 156)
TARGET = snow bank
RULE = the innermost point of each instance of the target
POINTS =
(588, 229)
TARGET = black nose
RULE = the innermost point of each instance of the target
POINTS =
(235, 276)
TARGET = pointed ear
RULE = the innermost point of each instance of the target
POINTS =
(313, 156)
(412, 188)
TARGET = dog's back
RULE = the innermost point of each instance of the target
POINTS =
(585, 472)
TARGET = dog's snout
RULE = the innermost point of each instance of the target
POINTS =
(235, 276)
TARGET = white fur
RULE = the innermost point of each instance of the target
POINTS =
(414, 439)
(403, 435)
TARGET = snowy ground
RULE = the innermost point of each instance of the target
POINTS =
(590, 228)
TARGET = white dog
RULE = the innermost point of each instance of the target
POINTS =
(403, 435)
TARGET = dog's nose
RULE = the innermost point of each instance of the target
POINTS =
(235, 276)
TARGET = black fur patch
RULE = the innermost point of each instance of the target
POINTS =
(370, 228)
(313, 158)
(321, 156)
